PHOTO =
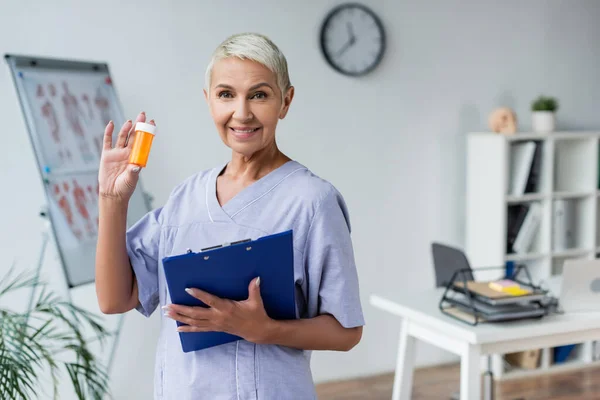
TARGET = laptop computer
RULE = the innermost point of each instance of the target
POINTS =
(580, 287)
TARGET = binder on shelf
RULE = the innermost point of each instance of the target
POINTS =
(563, 217)
(534, 178)
(529, 229)
(521, 165)
(226, 271)
(515, 216)
(561, 353)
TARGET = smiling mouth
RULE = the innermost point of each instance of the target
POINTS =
(244, 131)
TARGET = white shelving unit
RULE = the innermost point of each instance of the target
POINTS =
(569, 171)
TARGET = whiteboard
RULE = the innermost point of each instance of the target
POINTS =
(66, 105)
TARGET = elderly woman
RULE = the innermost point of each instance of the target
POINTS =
(260, 191)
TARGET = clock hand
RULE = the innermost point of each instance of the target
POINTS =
(345, 47)
(350, 42)
(351, 32)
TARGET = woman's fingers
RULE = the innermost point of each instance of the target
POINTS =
(131, 136)
(131, 139)
(122, 138)
(126, 134)
(195, 329)
(199, 323)
(108, 136)
(197, 313)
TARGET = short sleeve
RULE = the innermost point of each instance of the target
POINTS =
(333, 286)
(143, 240)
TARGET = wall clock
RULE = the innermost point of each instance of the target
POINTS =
(352, 39)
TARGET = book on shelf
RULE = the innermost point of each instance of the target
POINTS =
(562, 224)
(516, 216)
(529, 229)
(525, 170)
(534, 178)
(522, 226)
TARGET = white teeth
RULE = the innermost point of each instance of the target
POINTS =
(245, 131)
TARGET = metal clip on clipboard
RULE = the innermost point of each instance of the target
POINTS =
(226, 244)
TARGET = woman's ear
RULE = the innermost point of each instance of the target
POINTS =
(287, 100)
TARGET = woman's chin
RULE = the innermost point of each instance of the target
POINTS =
(244, 148)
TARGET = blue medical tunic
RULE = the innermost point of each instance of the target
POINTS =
(326, 282)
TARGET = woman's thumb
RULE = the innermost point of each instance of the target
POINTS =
(133, 174)
(254, 289)
(134, 169)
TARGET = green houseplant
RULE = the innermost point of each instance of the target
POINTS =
(543, 118)
(47, 339)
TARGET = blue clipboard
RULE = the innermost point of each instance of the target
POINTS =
(226, 271)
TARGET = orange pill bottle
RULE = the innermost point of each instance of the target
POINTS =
(144, 135)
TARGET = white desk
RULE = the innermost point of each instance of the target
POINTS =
(422, 319)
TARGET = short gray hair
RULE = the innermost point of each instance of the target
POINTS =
(255, 47)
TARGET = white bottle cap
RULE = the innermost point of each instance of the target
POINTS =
(142, 126)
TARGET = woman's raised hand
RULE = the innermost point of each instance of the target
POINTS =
(117, 178)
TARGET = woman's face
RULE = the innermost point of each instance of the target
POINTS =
(245, 104)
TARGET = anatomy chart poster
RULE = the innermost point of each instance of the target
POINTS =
(70, 112)
(76, 199)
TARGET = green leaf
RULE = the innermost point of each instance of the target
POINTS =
(544, 103)
(31, 340)
(22, 280)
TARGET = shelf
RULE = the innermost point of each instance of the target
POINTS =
(567, 191)
(575, 165)
(572, 253)
(571, 195)
(560, 135)
(574, 135)
(524, 257)
(515, 373)
(526, 198)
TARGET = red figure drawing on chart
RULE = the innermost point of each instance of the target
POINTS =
(94, 200)
(86, 100)
(102, 103)
(81, 205)
(52, 90)
(73, 113)
(65, 206)
(98, 142)
(97, 138)
(48, 113)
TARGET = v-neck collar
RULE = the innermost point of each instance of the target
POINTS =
(246, 196)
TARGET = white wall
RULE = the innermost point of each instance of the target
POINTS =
(391, 142)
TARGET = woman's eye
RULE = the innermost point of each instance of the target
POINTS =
(259, 95)
(225, 95)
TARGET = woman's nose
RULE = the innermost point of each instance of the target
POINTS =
(242, 111)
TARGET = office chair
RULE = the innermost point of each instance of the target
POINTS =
(446, 261)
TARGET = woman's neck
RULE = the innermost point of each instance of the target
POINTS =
(255, 167)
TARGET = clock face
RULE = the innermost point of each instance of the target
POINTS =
(352, 39)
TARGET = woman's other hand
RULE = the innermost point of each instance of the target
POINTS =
(117, 178)
(247, 319)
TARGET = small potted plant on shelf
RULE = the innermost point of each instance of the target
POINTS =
(49, 340)
(543, 117)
